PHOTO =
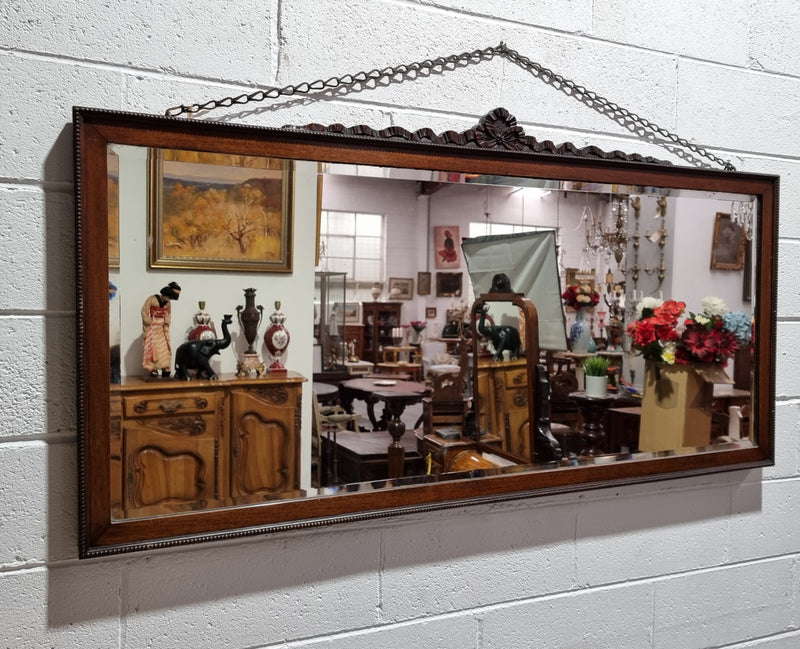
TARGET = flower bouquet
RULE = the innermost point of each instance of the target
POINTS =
(685, 359)
(711, 336)
(578, 296)
(417, 326)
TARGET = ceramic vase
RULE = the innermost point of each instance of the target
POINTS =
(277, 338)
(580, 333)
(376, 291)
(202, 326)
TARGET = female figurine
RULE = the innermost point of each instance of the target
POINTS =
(156, 317)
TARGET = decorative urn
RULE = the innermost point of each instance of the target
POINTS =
(276, 338)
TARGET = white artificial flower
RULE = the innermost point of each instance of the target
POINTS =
(702, 319)
(714, 306)
(647, 303)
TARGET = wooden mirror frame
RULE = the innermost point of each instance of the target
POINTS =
(497, 146)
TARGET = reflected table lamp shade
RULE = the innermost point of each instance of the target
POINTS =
(529, 259)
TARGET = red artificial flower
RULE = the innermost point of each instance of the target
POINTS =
(698, 342)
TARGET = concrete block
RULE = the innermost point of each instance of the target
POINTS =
(636, 537)
(36, 140)
(44, 248)
(38, 522)
(467, 564)
(713, 608)
(39, 352)
(69, 605)
(146, 37)
(765, 521)
(786, 360)
(684, 27)
(262, 592)
(618, 617)
(738, 118)
(773, 24)
(450, 631)
(787, 443)
(788, 277)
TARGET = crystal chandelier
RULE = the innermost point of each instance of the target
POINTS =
(742, 215)
(608, 234)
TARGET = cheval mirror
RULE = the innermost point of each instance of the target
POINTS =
(198, 242)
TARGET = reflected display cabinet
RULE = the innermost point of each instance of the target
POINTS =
(330, 299)
(379, 320)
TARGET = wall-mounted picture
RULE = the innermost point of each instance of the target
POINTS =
(576, 276)
(430, 312)
(448, 284)
(447, 246)
(727, 251)
(350, 311)
(217, 211)
(401, 288)
(423, 283)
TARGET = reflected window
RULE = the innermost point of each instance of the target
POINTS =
(353, 243)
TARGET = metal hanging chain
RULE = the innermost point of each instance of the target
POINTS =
(442, 63)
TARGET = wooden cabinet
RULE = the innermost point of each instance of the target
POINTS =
(503, 390)
(189, 445)
(355, 332)
(379, 319)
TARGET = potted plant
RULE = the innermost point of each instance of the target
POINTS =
(595, 371)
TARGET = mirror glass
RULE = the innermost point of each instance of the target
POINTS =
(220, 393)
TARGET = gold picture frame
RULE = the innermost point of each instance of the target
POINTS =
(727, 250)
(219, 211)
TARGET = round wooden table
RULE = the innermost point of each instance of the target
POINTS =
(367, 390)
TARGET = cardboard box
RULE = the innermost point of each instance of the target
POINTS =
(676, 407)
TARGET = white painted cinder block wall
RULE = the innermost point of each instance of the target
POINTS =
(704, 562)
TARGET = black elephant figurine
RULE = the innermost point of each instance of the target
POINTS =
(196, 354)
(503, 337)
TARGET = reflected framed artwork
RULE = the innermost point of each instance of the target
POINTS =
(446, 241)
(401, 288)
(214, 211)
(423, 283)
(727, 251)
(448, 284)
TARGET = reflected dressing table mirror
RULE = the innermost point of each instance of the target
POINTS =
(164, 461)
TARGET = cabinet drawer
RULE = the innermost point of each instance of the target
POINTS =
(169, 404)
(516, 378)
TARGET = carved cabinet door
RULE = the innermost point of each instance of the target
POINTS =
(265, 431)
(170, 451)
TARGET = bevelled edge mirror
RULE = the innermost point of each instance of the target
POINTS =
(496, 147)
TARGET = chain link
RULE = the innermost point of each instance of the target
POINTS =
(443, 63)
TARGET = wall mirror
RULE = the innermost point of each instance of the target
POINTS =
(226, 218)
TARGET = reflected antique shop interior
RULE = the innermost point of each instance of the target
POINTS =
(307, 327)
(379, 230)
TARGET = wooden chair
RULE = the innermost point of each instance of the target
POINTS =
(447, 404)
(328, 421)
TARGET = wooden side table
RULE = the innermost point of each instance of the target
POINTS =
(593, 410)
